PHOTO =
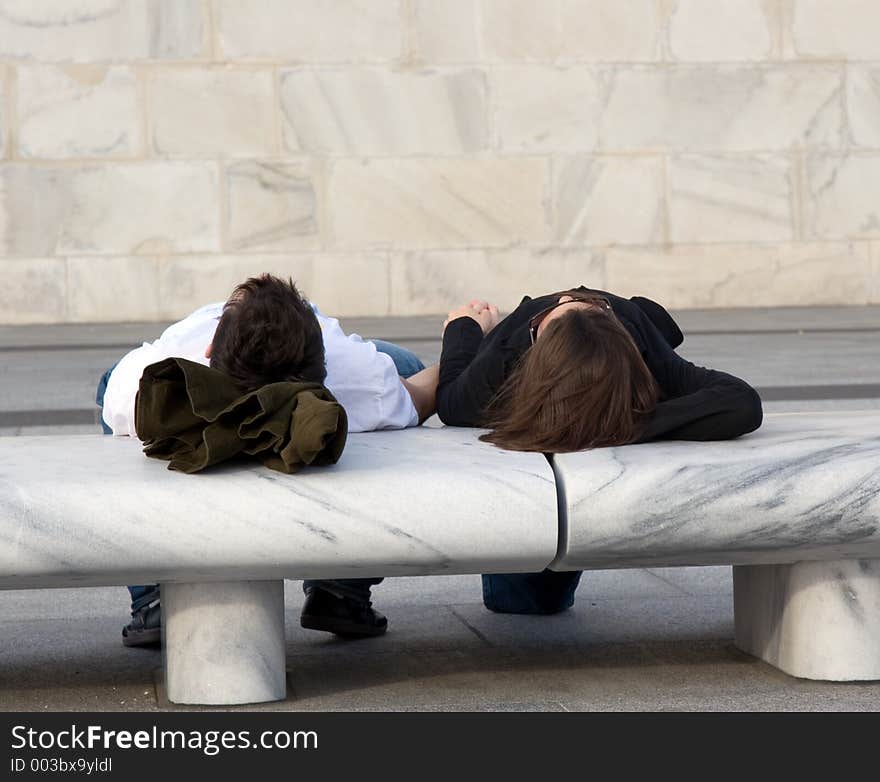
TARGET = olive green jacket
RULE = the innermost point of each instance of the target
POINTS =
(194, 416)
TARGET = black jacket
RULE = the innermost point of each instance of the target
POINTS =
(695, 403)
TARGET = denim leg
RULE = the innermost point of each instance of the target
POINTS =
(407, 363)
(99, 396)
(547, 592)
(141, 595)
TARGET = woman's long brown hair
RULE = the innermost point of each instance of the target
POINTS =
(583, 384)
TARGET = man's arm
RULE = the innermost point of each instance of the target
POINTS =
(422, 388)
(122, 388)
(187, 338)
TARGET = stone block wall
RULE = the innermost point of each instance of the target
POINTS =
(397, 156)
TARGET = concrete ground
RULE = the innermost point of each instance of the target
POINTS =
(651, 639)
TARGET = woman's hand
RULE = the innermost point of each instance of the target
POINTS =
(481, 311)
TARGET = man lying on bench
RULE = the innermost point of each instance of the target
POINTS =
(267, 332)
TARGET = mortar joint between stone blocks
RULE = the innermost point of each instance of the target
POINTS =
(277, 130)
(665, 209)
(209, 8)
(223, 205)
(409, 55)
(848, 139)
(11, 84)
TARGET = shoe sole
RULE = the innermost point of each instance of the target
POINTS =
(341, 627)
(151, 637)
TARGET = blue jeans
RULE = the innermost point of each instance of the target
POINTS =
(407, 363)
(547, 592)
(99, 396)
(140, 595)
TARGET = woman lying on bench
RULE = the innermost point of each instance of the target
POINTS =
(574, 370)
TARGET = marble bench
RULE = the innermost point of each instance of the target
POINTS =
(794, 507)
(93, 511)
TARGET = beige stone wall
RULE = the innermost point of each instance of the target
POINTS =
(395, 156)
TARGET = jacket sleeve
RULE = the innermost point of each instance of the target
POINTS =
(468, 378)
(661, 319)
(700, 404)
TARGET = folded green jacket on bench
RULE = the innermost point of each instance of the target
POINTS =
(194, 416)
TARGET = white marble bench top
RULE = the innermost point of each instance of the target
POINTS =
(92, 510)
(804, 486)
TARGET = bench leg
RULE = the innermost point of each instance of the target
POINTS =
(815, 620)
(223, 643)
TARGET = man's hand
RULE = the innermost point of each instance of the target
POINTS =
(481, 311)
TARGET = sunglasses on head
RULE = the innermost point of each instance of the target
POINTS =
(598, 302)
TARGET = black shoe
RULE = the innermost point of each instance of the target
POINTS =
(145, 628)
(340, 615)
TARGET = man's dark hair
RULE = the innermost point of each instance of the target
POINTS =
(268, 333)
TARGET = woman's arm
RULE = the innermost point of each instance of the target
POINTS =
(700, 404)
(468, 378)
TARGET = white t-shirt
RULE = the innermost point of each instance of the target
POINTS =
(363, 380)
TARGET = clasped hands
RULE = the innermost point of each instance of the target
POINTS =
(481, 311)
